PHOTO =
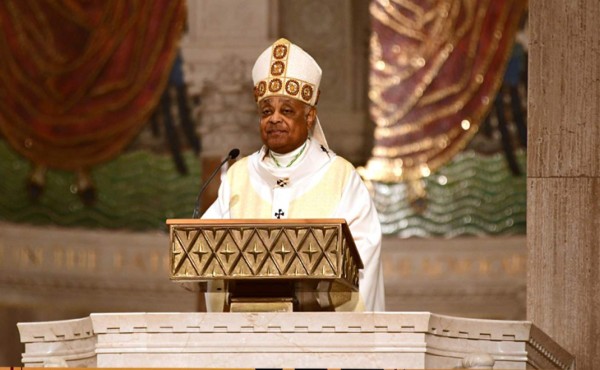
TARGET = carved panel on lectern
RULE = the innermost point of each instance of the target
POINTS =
(252, 251)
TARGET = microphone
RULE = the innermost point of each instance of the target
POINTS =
(233, 153)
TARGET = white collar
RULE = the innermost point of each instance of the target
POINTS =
(316, 157)
(284, 160)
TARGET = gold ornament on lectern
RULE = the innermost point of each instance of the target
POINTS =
(254, 258)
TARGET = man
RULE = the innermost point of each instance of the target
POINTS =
(295, 174)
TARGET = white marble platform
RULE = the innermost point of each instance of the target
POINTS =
(414, 340)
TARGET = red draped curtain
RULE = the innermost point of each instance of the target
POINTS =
(79, 78)
(436, 67)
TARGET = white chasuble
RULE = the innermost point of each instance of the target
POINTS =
(319, 185)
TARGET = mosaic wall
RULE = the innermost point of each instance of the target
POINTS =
(474, 194)
(138, 190)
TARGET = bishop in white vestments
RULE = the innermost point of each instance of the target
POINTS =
(295, 174)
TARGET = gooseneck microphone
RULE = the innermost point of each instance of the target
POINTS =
(233, 153)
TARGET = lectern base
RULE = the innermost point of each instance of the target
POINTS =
(262, 305)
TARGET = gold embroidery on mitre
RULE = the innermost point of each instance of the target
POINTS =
(261, 88)
(277, 68)
(277, 82)
(292, 87)
(280, 51)
(307, 92)
(275, 85)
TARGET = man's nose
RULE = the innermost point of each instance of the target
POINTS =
(275, 117)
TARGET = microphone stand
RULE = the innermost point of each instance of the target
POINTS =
(233, 153)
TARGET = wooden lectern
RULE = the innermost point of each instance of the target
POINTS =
(268, 265)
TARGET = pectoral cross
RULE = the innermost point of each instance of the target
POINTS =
(279, 213)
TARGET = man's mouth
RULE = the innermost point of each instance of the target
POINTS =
(276, 132)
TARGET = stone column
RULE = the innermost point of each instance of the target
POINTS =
(224, 39)
(563, 210)
(336, 33)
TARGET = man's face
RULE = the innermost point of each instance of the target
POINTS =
(284, 123)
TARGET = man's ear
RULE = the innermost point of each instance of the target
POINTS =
(310, 118)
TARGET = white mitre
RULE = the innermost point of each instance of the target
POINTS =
(284, 69)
